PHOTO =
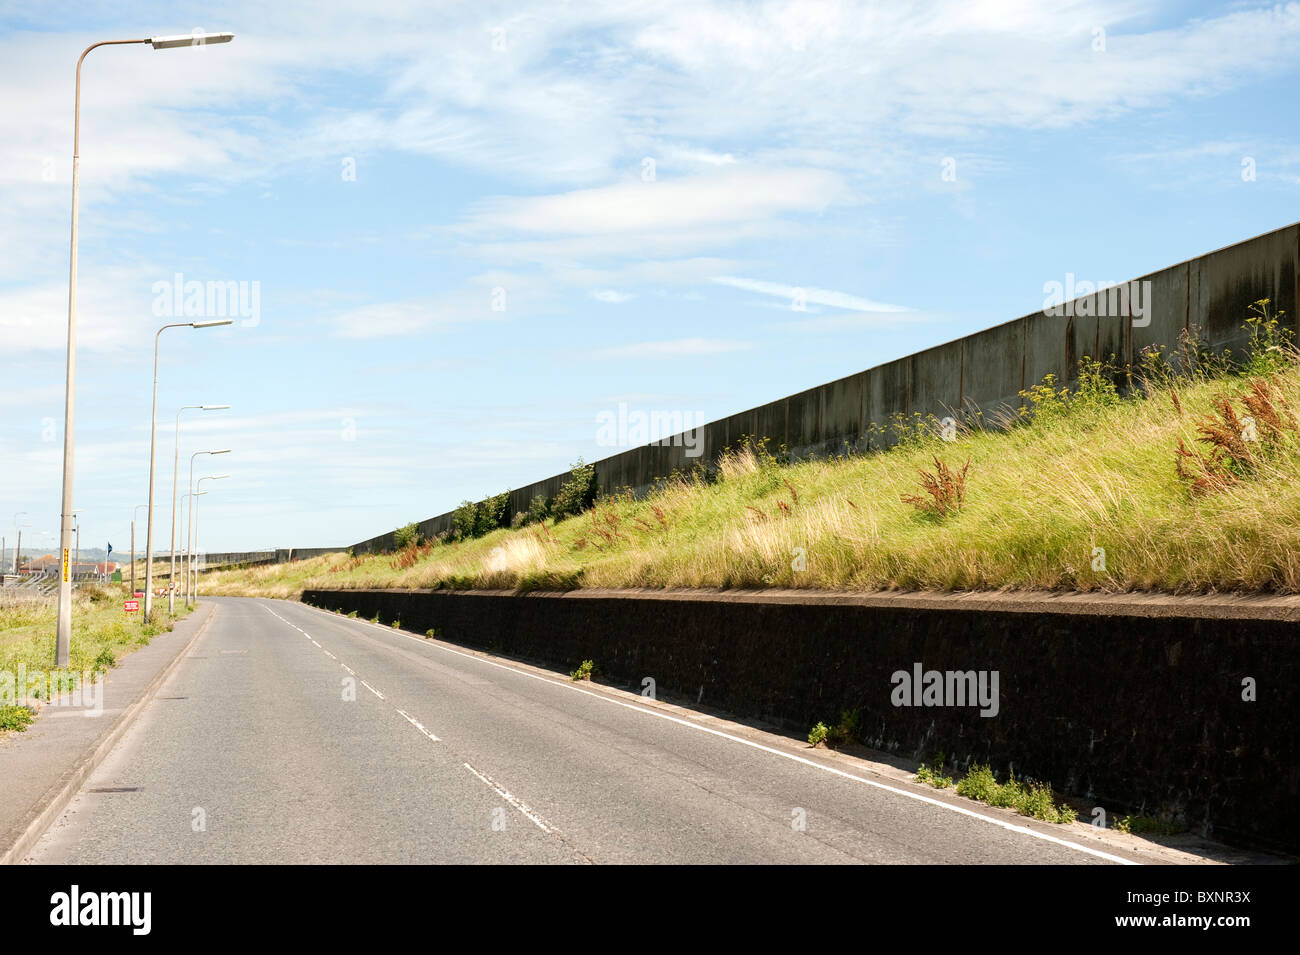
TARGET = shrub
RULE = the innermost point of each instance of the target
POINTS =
(818, 734)
(576, 494)
(465, 520)
(539, 509)
(493, 512)
(408, 536)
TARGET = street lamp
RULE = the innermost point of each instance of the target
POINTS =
(194, 586)
(133, 514)
(63, 629)
(20, 537)
(153, 442)
(176, 464)
(189, 553)
(185, 551)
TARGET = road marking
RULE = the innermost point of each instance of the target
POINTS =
(408, 717)
(418, 725)
(536, 819)
(918, 797)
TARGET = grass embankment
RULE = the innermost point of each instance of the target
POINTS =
(1087, 491)
(102, 633)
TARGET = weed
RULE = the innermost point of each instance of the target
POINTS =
(1271, 344)
(583, 672)
(946, 487)
(15, 718)
(817, 735)
(933, 777)
(1027, 798)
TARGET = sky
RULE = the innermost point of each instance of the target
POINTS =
(454, 234)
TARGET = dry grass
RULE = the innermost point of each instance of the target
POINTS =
(1025, 511)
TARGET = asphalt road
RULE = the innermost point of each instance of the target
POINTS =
(254, 751)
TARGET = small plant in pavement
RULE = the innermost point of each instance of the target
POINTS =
(583, 672)
(818, 734)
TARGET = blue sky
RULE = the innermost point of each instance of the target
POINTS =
(463, 253)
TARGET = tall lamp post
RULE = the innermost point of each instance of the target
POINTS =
(133, 519)
(63, 629)
(185, 551)
(189, 546)
(194, 581)
(20, 538)
(176, 466)
(153, 444)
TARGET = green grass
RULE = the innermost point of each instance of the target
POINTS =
(14, 718)
(102, 632)
(1027, 798)
(1081, 494)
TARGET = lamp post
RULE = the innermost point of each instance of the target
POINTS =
(186, 550)
(176, 464)
(189, 547)
(194, 586)
(133, 514)
(153, 444)
(63, 629)
(20, 538)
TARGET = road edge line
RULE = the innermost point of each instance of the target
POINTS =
(46, 816)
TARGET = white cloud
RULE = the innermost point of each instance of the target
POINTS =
(799, 295)
(740, 195)
(611, 296)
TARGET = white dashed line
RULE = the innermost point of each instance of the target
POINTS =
(536, 819)
(418, 725)
(918, 797)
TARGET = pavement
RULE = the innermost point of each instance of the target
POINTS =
(286, 734)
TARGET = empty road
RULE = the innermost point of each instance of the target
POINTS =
(291, 735)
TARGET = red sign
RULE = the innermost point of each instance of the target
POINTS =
(131, 606)
(138, 594)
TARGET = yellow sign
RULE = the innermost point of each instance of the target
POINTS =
(67, 568)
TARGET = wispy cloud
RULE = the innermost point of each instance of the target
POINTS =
(799, 298)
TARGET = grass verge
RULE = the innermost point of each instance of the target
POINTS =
(1187, 483)
(102, 634)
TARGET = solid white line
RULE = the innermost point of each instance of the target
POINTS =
(1009, 826)
(512, 800)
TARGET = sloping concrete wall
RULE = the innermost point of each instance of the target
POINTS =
(979, 375)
